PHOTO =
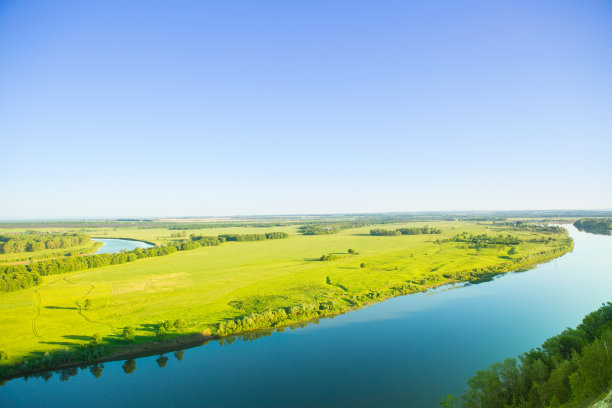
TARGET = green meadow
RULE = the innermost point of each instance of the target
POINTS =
(208, 285)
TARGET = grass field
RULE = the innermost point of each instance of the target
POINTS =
(207, 285)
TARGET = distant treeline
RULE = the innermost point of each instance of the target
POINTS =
(595, 225)
(568, 370)
(253, 237)
(33, 241)
(380, 232)
(15, 277)
(204, 225)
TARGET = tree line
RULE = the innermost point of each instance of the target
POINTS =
(33, 241)
(601, 226)
(252, 237)
(15, 277)
(381, 232)
(569, 369)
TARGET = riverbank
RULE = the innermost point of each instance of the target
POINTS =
(93, 354)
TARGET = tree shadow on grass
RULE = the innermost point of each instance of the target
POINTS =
(60, 308)
(60, 343)
(77, 337)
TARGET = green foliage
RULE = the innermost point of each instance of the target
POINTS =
(95, 339)
(33, 241)
(595, 225)
(486, 241)
(380, 232)
(567, 370)
(419, 230)
(351, 251)
(329, 257)
(15, 277)
(3, 355)
(129, 332)
(252, 237)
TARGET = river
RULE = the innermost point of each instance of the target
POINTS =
(408, 351)
(112, 245)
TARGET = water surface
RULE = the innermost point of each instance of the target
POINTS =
(112, 245)
(408, 351)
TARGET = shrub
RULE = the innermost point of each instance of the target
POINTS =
(129, 332)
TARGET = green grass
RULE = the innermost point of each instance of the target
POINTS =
(210, 284)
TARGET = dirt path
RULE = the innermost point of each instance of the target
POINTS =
(37, 314)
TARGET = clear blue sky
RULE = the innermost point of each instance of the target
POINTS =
(116, 108)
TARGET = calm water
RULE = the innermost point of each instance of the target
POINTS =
(112, 245)
(406, 352)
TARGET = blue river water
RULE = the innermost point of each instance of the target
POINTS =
(406, 352)
(112, 245)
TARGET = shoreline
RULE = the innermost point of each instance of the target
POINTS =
(127, 239)
(189, 340)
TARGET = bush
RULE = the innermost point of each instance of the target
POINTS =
(129, 332)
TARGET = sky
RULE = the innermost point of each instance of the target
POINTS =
(196, 108)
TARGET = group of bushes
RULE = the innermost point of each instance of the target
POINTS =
(279, 317)
(15, 277)
(380, 232)
(567, 370)
(32, 241)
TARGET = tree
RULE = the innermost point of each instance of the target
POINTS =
(129, 332)
(362, 265)
(95, 339)
(87, 304)
(351, 251)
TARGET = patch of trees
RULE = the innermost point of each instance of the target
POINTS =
(380, 232)
(33, 241)
(567, 370)
(335, 227)
(252, 237)
(486, 241)
(530, 226)
(419, 230)
(601, 226)
(16, 277)
(329, 257)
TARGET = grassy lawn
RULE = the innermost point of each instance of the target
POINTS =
(209, 284)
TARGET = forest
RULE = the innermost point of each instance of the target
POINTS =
(569, 369)
(601, 226)
(33, 241)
